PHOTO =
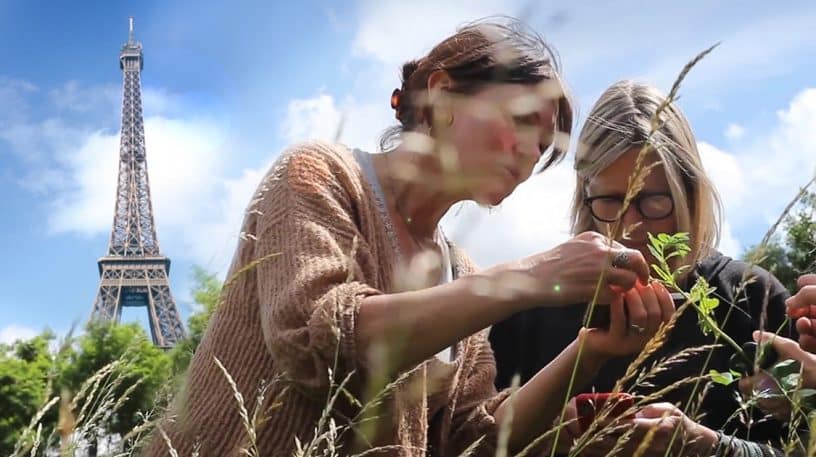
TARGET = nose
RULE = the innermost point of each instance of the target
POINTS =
(631, 216)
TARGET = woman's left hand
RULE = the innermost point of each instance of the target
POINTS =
(661, 420)
(648, 306)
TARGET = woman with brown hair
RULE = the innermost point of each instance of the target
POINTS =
(345, 274)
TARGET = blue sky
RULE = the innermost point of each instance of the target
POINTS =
(228, 85)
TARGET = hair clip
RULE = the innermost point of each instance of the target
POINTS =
(395, 100)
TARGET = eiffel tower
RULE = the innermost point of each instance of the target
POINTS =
(134, 272)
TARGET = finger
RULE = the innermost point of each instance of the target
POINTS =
(665, 300)
(657, 410)
(659, 441)
(778, 408)
(620, 280)
(638, 319)
(794, 311)
(746, 386)
(808, 343)
(804, 298)
(635, 262)
(648, 296)
(806, 280)
(590, 235)
(804, 326)
(617, 318)
(572, 427)
(608, 294)
(787, 348)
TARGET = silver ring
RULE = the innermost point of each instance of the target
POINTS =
(621, 260)
(637, 328)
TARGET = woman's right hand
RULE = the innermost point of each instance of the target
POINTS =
(569, 273)
(787, 349)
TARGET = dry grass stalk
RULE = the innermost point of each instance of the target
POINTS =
(506, 425)
(649, 437)
(242, 411)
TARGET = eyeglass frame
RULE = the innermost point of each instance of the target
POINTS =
(635, 201)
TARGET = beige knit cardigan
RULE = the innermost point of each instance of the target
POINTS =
(313, 245)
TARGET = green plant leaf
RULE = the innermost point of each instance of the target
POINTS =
(785, 368)
(735, 374)
(724, 378)
(665, 276)
(790, 382)
(805, 394)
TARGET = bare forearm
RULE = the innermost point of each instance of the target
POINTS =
(539, 401)
(413, 326)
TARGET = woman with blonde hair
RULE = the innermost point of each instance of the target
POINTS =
(676, 195)
(318, 287)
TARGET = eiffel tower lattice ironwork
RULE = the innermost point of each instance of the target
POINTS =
(134, 272)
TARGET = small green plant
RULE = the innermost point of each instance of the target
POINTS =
(784, 375)
(665, 247)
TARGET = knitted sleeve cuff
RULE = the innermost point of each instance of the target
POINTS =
(729, 446)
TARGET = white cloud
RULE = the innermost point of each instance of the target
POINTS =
(726, 171)
(357, 124)
(729, 244)
(33, 142)
(197, 206)
(13, 94)
(183, 157)
(392, 32)
(779, 163)
(734, 132)
(533, 219)
(316, 117)
(728, 177)
(11, 333)
(74, 96)
(757, 183)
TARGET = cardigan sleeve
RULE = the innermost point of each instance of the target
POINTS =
(473, 416)
(310, 275)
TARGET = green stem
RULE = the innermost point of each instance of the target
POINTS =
(712, 324)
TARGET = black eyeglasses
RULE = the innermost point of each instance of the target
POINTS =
(650, 205)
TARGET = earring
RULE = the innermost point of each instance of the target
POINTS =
(443, 116)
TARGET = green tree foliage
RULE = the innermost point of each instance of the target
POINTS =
(144, 365)
(207, 294)
(24, 372)
(793, 253)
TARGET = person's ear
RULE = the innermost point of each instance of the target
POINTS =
(439, 85)
(439, 80)
(438, 101)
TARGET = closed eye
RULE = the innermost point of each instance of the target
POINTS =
(533, 119)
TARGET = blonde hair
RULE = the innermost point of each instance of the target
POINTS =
(621, 120)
